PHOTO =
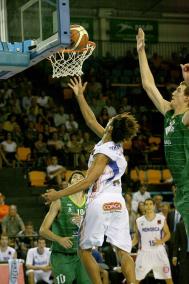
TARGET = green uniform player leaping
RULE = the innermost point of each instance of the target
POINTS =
(176, 128)
(64, 218)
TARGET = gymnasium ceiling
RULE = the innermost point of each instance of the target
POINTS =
(140, 7)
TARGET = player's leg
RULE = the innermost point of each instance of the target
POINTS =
(161, 267)
(63, 268)
(118, 234)
(81, 273)
(91, 265)
(127, 265)
(92, 234)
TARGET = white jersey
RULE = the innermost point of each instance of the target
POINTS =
(36, 259)
(7, 254)
(110, 180)
(149, 231)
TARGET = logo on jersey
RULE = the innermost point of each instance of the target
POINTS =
(170, 128)
(112, 206)
(159, 222)
(166, 269)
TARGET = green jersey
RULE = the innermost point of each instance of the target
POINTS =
(176, 144)
(65, 224)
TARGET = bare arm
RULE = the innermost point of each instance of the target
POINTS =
(87, 113)
(148, 82)
(166, 236)
(46, 225)
(135, 238)
(93, 174)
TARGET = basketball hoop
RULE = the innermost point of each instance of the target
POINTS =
(69, 62)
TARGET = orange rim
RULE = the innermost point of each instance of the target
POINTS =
(90, 43)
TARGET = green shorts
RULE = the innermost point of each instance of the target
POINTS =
(182, 203)
(67, 268)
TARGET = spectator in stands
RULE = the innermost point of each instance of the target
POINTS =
(9, 149)
(26, 239)
(141, 195)
(141, 209)
(93, 87)
(12, 223)
(10, 123)
(60, 117)
(158, 202)
(55, 145)
(4, 208)
(38, 263)
(104, 117)
(40, 149)
(43, 100)
(55, 172)
(165, 209)
(74, 148)
(26, 100)
(71, 124)
(6, 252)
(110, 108)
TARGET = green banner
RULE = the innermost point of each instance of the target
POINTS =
(87, 23)
(126, 30)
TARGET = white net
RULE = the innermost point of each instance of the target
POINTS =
(70, 62)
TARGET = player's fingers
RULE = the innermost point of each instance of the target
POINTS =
(76, 80)
(72, 82)
(70, 85)
(85, 85)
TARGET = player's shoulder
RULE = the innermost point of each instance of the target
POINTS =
(160, 217)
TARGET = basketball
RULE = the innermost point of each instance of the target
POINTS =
(79, 37)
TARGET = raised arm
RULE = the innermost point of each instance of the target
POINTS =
(87, 113)
(148, 82)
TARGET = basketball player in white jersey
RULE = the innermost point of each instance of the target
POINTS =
(6, 252)
(106, 212)
(151, 234)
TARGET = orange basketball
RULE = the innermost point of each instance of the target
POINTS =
(79, 37)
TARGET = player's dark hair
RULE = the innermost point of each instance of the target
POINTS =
(74, 173)
(124, 127)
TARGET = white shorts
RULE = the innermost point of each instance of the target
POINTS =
(40, 275)
(155, 260)
(106, 215)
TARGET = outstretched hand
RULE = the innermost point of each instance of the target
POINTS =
(185, 71)
(140, 40)
(77, 86)
(50, 195)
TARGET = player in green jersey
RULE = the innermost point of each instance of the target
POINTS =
(61, 226)
(176, 127)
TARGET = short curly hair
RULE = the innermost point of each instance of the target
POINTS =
(125, 127)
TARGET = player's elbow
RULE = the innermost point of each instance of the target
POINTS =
(42, 231)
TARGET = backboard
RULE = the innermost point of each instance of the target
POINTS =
(30, 31)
